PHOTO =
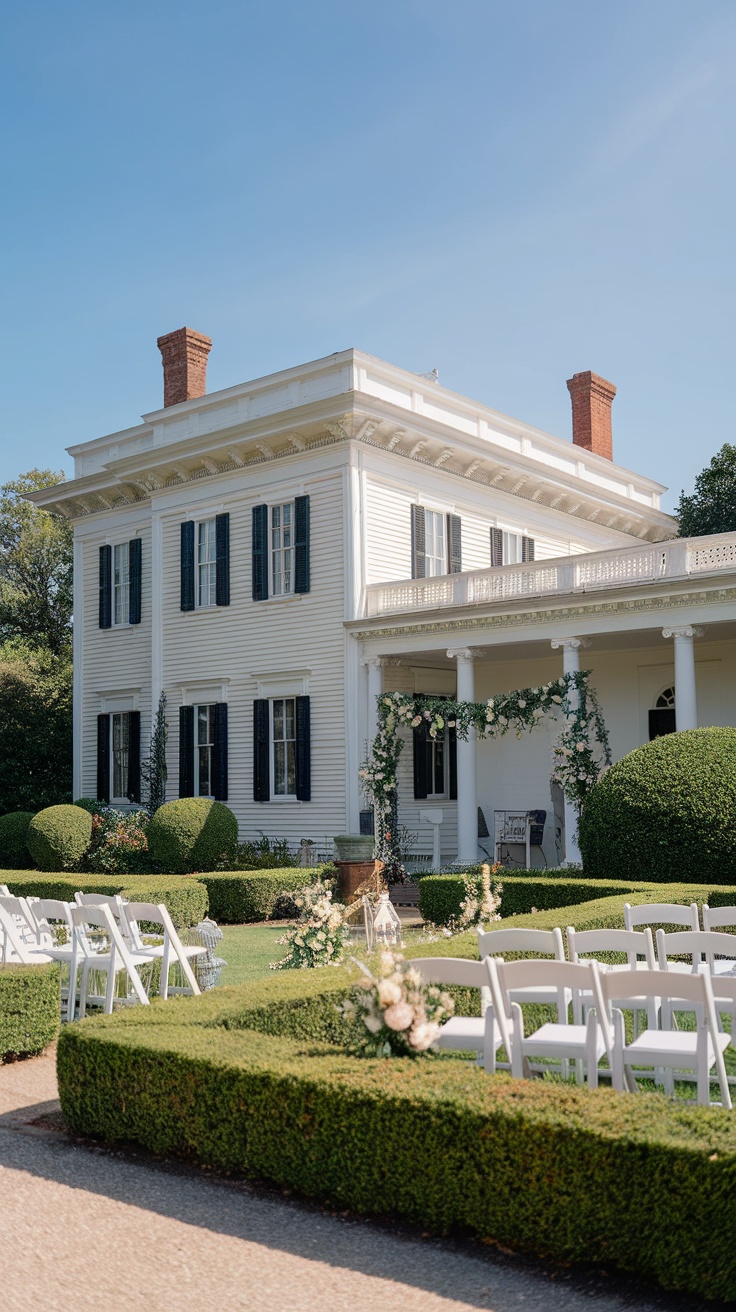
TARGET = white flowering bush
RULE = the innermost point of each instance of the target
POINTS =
(481, 902)
(397, 1014)
(321, 933)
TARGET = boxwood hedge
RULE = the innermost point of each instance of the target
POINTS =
(186, 898)
(30, 1007)
(239, 897)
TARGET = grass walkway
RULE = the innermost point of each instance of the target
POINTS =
(248, 949)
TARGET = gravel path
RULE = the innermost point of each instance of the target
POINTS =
(88, 1229)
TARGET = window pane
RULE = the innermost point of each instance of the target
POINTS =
(439, 766)
(279, 769)
(282, 544)
(120, 740)
(512, 549)
(290, 708)
(291, 769)
(278, 720)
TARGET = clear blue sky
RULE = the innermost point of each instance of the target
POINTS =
(508, 192)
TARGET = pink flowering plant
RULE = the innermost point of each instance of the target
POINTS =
(394, 1013)
(320, 934)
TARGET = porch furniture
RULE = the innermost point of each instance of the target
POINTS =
(171, 951)
(559, 1041)
(479, 1034)
(518, 829)
(696, 1050)
(111, 957)
(661, 913)
(635, 944)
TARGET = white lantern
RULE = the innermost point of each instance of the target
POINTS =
(386, 923)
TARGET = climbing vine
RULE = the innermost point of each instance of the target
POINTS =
(579, 755)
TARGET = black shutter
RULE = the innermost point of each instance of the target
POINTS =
(186, 751)
(134, 571)
(496, 546)
(420, 739)
(134, 756)
(105, 587)
(452, 750)
(103, 758)
(222, 557)
(261, 764)
(260, 554)
(418, 543)
(219, 754)
(527, 549)
(301, 544)
(303, 751)
(187, 572)
(454, 540)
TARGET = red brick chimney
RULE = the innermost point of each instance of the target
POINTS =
(592, 398)
(184, 354)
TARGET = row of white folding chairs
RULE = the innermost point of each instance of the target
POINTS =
(602, 1034)
(98, 941)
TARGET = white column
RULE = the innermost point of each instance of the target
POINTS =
(686, 695)
(570, 665)
(374, 667)
(467, 786)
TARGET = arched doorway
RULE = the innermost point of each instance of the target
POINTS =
(662, 716)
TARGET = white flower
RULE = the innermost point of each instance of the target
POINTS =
(502, 719)
(373, 1023)
(581, 747)
(521, 704)
(537, 712)
(388, 992)
(555, 698)
(399, 1017)
(416, 721)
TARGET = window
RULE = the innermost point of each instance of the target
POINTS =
(203, 750)
(119, 756)
(283, 746)
(662, 718)
(437, 756)
(511, 548)
(205, 726)
(206, 563)
(282, 549)
(120, 584)
(435, 550)
(435, 762)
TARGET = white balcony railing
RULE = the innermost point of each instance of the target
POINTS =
(590, 572)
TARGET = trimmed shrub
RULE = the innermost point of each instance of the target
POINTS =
(440, 896)
(577, 1174)
(192, 834)
(185, 898)
(238, 898)
(666, 811)
(14, 854)
(30, 1008)
(59, 837)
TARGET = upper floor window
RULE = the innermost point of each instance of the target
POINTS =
(120, 584)
(206, 563)
(436, 543)
(510, 548)
(282, 549)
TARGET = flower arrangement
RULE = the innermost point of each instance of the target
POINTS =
(119, 842)
(321, 933)
(481, 902)
(580, 755)
(397, 1013)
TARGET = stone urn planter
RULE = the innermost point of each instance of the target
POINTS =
(354, 847)
(354, 862)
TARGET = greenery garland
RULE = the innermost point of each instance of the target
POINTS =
(580, 755)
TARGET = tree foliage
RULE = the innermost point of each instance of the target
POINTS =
(35, 727)
(35, 566)
(712, 506)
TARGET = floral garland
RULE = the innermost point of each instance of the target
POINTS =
(580, 755)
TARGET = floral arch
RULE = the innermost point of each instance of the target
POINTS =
(580, 754)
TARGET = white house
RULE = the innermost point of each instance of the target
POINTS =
(272, 555)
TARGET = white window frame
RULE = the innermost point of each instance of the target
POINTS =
(118, 798)
(281, 555)
(435, 543)
(272, 702)
(206, 579)
(209, 745)
(512, 548)
(120, 591)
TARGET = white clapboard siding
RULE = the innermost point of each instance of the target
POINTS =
(116, 660)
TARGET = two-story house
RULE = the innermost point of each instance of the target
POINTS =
(273, 555)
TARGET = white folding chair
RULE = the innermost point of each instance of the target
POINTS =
(14, 950)
(666, 1048)
(109, 957)
(545, 943)
(479, 1034)
(715, 918)
(661, 913)
(584, 1044)
(22, 916)
(171, 950)
(4, 890)
(633, 943)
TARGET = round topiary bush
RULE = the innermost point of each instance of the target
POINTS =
(192, 834)
(59, 837)
(666, 812)
(14, 854)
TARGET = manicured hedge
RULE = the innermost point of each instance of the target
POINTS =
(14, 852)
(186, 898)
(666, 811)
(30, 1008)
(192, 834)
(568, 1173)
(239, 897)
(59, 836)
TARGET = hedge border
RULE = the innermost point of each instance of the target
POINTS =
(239, 897)
(30, 1007)
(249, 1080)
(185, 897)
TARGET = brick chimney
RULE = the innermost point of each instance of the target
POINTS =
(184, 355)
(592, 398)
